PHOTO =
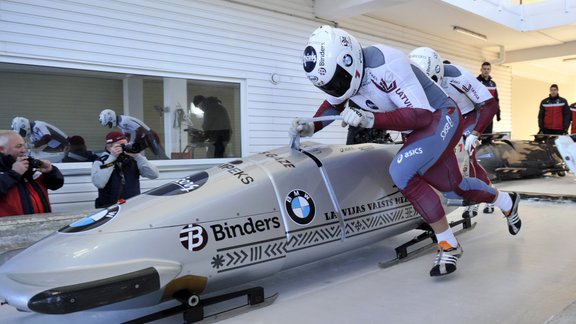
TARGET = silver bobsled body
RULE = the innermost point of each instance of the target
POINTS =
(215, 229)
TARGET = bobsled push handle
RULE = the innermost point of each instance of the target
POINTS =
(295, 139)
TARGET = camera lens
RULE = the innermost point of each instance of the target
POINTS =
(131, 148)
(34, 163)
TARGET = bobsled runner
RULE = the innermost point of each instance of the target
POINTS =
(505, 159)
(197, 238)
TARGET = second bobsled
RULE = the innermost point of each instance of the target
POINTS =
(504, 159)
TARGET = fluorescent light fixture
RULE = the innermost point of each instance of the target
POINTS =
(468, 32)
(570, 59)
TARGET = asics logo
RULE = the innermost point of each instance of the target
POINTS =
(447, 126)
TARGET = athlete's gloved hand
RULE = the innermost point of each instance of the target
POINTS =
(302, 130)
(470, 143)
(357, 118)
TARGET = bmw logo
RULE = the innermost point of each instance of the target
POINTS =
(300, 206)
(92, 220)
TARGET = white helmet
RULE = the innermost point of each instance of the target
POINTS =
(21, 125)
(108, 118)
(429, 61)
(333, 62)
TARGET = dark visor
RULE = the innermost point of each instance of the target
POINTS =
(339, 84)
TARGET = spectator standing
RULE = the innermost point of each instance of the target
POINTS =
(573, 118)
(216, 124)
(78, 151)
(485, 78)
(24, 182)
(117, 173)
(554, 114)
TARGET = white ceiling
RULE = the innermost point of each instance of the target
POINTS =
(535, 34)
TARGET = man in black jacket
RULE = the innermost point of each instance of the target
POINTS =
(485, 78)
(216, 124)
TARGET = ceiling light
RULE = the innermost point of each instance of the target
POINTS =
(469, 33)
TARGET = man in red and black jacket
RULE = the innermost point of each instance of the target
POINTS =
(24, 183)
(554, 115)
(485, 78)
(573, 117)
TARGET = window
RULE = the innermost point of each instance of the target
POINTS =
(218, 115)
(71, 100)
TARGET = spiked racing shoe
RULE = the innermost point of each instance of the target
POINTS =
(514, 222)
(446, 259)
(471, 211)
(489, 209)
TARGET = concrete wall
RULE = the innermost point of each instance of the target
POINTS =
(21, 231)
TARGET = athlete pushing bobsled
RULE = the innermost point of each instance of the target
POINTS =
(135, 130)
(377, 87)
(476, 104)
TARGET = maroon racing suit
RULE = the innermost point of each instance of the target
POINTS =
(403, 98)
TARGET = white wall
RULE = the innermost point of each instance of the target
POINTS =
(526, 104)
(203, 39)
(530, 87)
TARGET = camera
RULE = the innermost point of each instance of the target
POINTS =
(34, 163)
(131, 148)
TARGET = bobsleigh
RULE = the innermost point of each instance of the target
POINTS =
(504, 159)
(231, 224)
(567, 148)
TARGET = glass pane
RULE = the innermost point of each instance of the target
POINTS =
(70, 102)
(212, 123)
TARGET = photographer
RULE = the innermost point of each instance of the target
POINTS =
(117, 172)
(24, 181)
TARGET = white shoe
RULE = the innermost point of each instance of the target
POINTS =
(446, 259)
(514, 222)
(471, 211)
(489, 209)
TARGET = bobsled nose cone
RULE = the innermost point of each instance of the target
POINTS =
(73, 289)
(74, 298)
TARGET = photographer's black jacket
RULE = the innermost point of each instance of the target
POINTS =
(119, 178)
(27, 193)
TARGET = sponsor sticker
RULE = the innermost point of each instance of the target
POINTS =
(92, 220)
(193, 237)
(309, 59)
(300, 206)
